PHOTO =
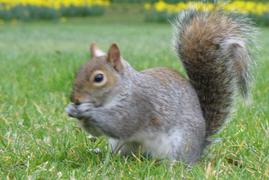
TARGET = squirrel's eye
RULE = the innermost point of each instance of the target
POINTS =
(99, 78)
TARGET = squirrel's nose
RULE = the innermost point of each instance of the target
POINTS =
(75, 99)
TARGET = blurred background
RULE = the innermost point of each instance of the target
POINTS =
(148, 10)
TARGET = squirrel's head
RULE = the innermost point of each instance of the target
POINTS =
(96, 80)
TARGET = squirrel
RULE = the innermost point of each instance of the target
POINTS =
(158, 111)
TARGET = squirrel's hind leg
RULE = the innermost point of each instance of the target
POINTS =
(175, 145)
(122, 147)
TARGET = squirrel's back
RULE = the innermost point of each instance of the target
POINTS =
(214, 49)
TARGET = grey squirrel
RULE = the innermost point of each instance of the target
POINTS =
(157, 110)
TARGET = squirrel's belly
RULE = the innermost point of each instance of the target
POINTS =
(160, 144)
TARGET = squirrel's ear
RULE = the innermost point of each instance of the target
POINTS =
(113, 57)
(95, 51)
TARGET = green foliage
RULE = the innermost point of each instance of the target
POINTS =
(28, 12)
(154, 16)
(262, 20)
(83, 11)
(165, 17)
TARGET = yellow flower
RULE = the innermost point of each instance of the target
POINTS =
(160, 6)
(246, 7)
(55, 3)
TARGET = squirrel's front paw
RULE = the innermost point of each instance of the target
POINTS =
(84, 108)
(71, 110)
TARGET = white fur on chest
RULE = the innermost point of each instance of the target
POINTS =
(159, 144)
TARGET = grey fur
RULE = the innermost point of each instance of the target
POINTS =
(159, 111)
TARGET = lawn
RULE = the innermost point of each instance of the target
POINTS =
(37, 139)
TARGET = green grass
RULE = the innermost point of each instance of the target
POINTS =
(38, 140)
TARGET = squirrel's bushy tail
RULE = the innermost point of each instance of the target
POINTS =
(214, 49)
